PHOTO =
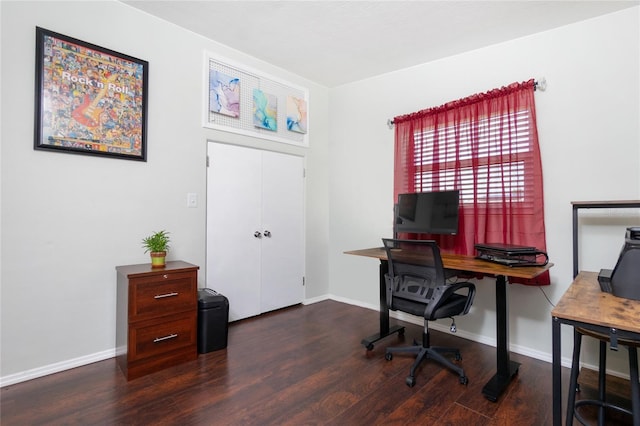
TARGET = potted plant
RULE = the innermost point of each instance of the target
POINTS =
(157, 245)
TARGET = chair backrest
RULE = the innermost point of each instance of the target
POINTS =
(416, 281)
(415, 268)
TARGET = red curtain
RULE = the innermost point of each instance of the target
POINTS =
(486, 146)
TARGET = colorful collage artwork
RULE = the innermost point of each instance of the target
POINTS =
(265, 110)
(224, 94)
(92, 99)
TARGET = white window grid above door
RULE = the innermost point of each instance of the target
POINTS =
(250, 80)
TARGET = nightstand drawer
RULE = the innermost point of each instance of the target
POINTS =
(162, 295)
(152, 338)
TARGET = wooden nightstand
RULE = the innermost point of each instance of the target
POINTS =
(156, 318)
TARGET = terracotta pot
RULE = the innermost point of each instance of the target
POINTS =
(158, 259)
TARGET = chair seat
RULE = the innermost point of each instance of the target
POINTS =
(454, 305)
(606, 337)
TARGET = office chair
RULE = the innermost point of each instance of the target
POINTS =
(416, 285)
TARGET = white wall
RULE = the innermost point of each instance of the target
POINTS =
(69, 220)
(589, 132)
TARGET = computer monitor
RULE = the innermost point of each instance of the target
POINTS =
(427, 212)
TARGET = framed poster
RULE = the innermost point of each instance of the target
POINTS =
(88, 99)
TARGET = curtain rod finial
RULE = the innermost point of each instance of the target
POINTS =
(541, 84)
(390, 123)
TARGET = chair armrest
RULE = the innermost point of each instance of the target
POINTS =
(442, 293)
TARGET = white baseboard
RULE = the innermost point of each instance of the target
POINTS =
(23, 376)
(315, 299)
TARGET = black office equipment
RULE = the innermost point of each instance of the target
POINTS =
(604, 279)
(427, 212)
(416, 285)
(511, 255)
(213, 319)
(624, 279)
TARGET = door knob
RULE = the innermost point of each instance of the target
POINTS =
(267, 233)
(257, 234)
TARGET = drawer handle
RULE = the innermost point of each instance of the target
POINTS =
(160, 339)
(162, 296)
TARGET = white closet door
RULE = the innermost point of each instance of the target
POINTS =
(233, 216)
(252, 191)
(282, 221)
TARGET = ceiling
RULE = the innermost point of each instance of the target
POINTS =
(337, 42)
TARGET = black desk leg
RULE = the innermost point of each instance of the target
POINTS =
(574, 220)
(556, 373)
(506, 368)
(385, 330)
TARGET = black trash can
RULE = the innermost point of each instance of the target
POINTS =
(213, 319)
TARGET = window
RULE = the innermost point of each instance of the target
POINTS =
(486, 173)
(485, 146)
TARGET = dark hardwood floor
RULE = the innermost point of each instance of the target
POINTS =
(298, 366)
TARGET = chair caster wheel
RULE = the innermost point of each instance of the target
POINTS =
(458, 357)
(401, 332)
(464, 380)
(411, 381)
(388, 356)
(369, 347)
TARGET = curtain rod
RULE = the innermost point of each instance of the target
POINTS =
(540, 85)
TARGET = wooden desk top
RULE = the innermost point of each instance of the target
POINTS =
(584, 302)
(143, 269)
(467, 263)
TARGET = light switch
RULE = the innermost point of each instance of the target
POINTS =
(192, 200)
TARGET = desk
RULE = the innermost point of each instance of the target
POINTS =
(584, 305)
(506, 368)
